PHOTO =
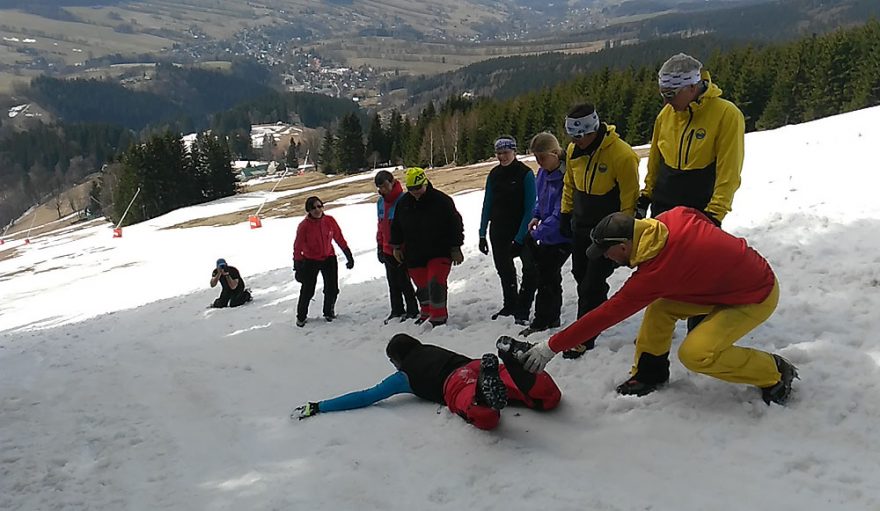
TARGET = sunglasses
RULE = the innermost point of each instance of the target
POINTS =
(415, 188)
(317, 206)
(608, 242)
(670, 93)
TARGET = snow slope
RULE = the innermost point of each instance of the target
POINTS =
(119, 390)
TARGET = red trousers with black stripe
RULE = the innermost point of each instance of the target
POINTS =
(461, 387)
(430, 284)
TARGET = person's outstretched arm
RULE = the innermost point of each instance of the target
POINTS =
(397, 383)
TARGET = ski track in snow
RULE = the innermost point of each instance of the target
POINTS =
(120, 390)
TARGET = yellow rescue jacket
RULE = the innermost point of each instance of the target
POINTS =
(696, 155)
(602, 183)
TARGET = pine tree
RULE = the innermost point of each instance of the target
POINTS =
(376, 149)
(395, 138)
(350, 145)
(220, 179)
(291, 158)
(327, 155)
(95, 208)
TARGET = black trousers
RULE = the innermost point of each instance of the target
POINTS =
(232, 297)
(308, 275)
(517, 298)
(591, 275)
(400, 289)
(548, 264)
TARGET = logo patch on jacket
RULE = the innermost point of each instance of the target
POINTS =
(603, 168)
(701, 134)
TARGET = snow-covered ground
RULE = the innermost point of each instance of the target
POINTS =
(119, 389)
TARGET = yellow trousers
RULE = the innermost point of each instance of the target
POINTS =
(708, 348)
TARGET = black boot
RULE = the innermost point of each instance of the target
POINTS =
(633, 387)
(400, 316)
(509, 350)
(503, 312)
(491, 391)
(780, 392)
(652, 372)
(578, 351)
(509, 293)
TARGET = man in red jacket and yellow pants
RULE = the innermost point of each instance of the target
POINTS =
(679, 255)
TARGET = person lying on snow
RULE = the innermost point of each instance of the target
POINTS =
(476, 390)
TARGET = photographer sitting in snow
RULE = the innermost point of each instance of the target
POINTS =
(234, 293)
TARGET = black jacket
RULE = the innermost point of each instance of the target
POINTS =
(234, 274)
(427, 367)
(426, 228)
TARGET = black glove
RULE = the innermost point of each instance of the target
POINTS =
(713, 219)
(515, 248)
(642, 206)
(349, 260)
(565, 225)
(484, 246)
(380, 254)
(215, 272)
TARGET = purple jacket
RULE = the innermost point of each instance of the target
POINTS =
(549, 187)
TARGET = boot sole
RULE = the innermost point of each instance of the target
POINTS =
(491, 387)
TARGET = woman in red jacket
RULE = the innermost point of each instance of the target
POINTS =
(313, 253)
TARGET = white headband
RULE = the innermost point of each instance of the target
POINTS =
(679, 80)
(579, 126)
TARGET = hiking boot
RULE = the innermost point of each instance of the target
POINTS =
(529, 330)
(503, 312)
(394, 315)
(538, 327)
(578, 351)
(509, 350)
(410, 315)
(329, 317)
(421, 319)
(491, 391)
(300, 323)
(780, 392)
(633, 387)
(521, 321)
(507, 344)
(437, 322)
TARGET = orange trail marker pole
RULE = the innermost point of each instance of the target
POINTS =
(255, 218)
(117, 231)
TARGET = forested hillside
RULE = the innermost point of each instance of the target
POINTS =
(689, 31)
(175, 94)
(773, 85)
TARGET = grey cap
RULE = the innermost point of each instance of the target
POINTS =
(611, 230)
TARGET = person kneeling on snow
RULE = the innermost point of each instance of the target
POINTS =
(476, 390)
(687, 266)
(234, 293)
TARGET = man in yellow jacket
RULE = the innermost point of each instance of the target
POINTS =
(601, 177)
(698, 144)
